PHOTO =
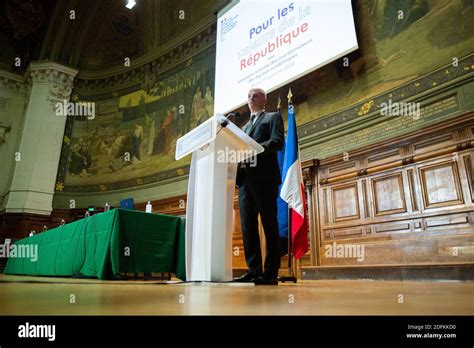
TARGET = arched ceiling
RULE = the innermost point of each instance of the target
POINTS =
(23, 24)
(97, 34)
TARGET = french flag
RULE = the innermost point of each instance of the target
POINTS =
(292, 190)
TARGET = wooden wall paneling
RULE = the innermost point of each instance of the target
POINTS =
(370, 205)
(171, 206)
(465, 175)
(345, 167)
(396, 226)
(471, 171)
(469, 166)
(463, 178)
(345, 202)
(311, 227)
(433, 142)
(378, 158)
(418, 225)
(447, 220)
(364, 213)
(238, 254)
(408, 187)
(364, 199)
(440, 184)
(389, 194)
(326, 215)
(310, 176)
(411, 250)
(410, 178)
(316, 222)
(409, 193)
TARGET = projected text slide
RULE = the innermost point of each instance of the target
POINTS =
(269, 43)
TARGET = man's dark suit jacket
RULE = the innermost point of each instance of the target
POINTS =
(268, 131)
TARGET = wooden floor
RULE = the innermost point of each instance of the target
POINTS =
(51, 296)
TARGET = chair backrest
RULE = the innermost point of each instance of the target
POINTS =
(127, 203)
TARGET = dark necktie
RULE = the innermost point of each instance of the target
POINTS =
(249, 126)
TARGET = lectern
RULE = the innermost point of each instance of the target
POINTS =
(217, 146)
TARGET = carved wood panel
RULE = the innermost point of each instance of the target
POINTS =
(416, 189)
(345, 202)
(389, 194)
(441, 185)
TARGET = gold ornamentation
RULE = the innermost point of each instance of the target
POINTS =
(364, 109)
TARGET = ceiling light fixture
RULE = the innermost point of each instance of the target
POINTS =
(130, 4)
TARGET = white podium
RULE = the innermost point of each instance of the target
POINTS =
(210, 203)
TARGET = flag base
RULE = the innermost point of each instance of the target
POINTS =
(287, 279)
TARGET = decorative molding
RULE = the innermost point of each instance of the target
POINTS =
(380, 192)
(59, 78)
(457, 199)
(308, 177)
(464, 145)
(407, 91)
(125, 79)
(421, 152)
(4, 128)
(411, 186)
(12, 82)
(347, 196)
(4, 104)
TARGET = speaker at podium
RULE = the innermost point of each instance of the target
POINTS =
(217, 146)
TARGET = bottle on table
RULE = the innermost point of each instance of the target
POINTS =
(148, 207)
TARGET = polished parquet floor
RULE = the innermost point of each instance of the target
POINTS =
(22, 295)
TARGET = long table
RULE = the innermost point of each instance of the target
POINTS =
(105, 245)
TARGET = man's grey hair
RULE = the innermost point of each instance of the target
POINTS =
(259, 90)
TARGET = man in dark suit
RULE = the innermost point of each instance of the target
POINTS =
(258, 190)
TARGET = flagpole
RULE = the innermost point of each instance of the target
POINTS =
(290, 277)
(290, 269)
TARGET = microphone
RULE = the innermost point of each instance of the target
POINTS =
(224, 123)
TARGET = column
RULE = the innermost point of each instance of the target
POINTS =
(39, 149)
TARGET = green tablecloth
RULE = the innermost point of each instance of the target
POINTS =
(113, 242)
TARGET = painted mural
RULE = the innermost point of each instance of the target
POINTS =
(395, 48)
(134, 135)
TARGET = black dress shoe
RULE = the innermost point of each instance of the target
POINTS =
(265, 281)
(246, 278)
